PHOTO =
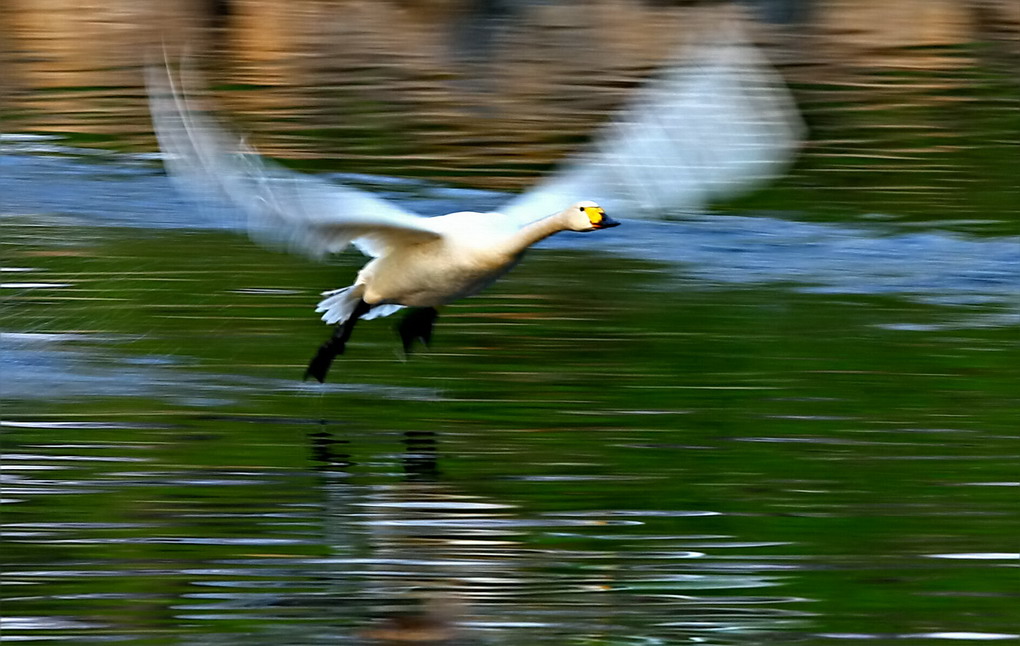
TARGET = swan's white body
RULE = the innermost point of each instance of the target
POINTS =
(470, 252)
(713, 125)
(461, 254)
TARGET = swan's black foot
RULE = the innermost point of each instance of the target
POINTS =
(323, 359)
(318, 367)
(417, 325)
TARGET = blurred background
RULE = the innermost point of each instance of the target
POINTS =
(788, 419)
(489, 93)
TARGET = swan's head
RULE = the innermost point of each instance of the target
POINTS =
(588, 216)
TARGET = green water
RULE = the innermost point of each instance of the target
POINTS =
(790, 421)
(597, 450)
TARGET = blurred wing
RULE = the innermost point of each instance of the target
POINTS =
(714, 126)
(282, 207)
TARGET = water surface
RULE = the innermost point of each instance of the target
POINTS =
(791, 419)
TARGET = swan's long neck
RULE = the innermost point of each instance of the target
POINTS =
(535, 231)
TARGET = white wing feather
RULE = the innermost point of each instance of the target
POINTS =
(715, 125)
(283, 208)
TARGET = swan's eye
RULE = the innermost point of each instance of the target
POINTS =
(595, 214)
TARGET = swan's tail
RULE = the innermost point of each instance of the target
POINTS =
(339, 304)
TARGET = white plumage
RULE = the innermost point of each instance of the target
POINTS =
(716, 124)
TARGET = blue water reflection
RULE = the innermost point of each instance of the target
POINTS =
(935, 266)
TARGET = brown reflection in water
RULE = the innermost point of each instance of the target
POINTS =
(458, 90)
(66, 62)
(881, 34)
(73, 44)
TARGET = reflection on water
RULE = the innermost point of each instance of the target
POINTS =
(329, 546)
(796, 424)
(912, 105)
(743, 463)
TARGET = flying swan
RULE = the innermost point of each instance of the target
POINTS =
(715, 124)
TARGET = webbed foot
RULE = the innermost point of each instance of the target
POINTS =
(417, 326)
(318, 367)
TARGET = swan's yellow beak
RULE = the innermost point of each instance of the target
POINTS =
(598, 218)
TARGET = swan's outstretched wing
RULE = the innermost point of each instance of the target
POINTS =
(282, 207)
(717, 124)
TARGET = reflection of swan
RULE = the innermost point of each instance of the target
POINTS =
(701, 130)
(423, 558)
(419, 557)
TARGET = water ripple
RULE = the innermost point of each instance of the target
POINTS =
(821, 258)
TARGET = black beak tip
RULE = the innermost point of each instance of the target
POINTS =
(608, 223)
